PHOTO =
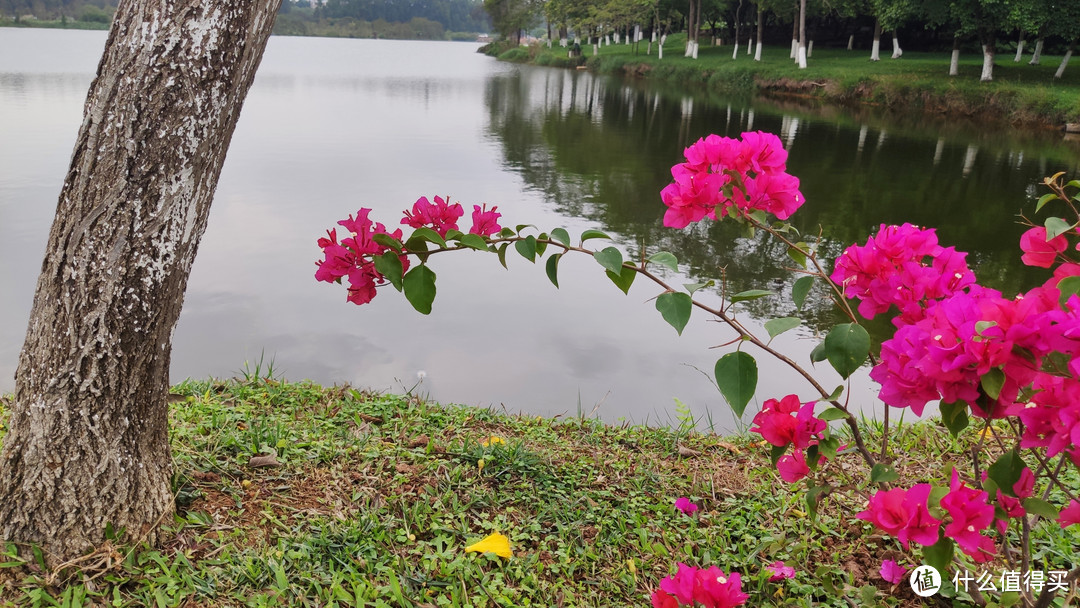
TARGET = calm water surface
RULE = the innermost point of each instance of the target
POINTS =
(334, 125)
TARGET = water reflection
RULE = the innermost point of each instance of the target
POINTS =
(609, 166)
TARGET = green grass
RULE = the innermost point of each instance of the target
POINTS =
(1019, 93)
(377, 496)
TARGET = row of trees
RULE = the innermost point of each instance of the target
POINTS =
(932, 24)
(306, 16)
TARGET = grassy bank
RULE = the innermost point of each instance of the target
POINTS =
(1019, 94)
(370, 500)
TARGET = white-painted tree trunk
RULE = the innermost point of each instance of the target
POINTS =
(757, 51)
(802, 57)
(663, 39)
(595, 49)
(735, 50)
(988, 63)
(694, 55)
(896, 50)
(653, 36)
(954, 63)
(87, 444)
(1065, 60)
(749, 46)
(851, 42)
(1019, 48)
(1036, 56)
(660, 51)
(810, 49)
(875, 49)
(794, 47)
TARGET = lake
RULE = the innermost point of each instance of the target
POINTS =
(334, 125)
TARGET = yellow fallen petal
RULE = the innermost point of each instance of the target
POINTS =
(798, 513)
(480, 465)
(490, 441)
(495, 543)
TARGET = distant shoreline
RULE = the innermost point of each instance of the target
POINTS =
(72, 24)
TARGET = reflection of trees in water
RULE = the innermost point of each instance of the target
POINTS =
(600, 149)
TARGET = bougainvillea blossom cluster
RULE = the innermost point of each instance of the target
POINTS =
(722, 176)
(353, 256)
(708, 587)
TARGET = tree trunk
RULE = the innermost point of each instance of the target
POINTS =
(760, 28)
(87, 444)
(795, 36)
(851, 42)
(1037, 54)
(988, 60)
(1019, 47)
(697, 28)
(896, 50)
(1065, 60)
(802, 34)
(954, 62)
(875, 50)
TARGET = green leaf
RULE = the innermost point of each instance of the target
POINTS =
(982, 326)
(833, 413)
(736, 375)
(419, 284)
(775, 327)
(1041, 507)
(1046, 198)
(610, 258)
(593, 234)
(389, 265)
(453, 235)
(939, 555)
(846, 347)
(675, 308)
(800, 289)
(868, 595)
(750, 294)
(797, 255)
(474, 241)
(552, 269)
(520, 227)
(954, 416)
(776, 452)
(561, 235)
(693, 287)
(1055, 226)
(387, 241)
(502, 254)
(428, 235)
(828, 447)
(541, 243)
(936, 494)
(506, 233)
(666, 259)
(624, 280)
(527, 248)
(818, 354)
(883, 473)
(1006, 471)
(1068, 286)
(992, 381)
(839, 390)
(813, 499)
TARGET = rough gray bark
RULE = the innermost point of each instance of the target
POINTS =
(87, 444)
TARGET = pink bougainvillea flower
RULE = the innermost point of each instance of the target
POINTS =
(971, 514)
(787, 422)
(661, 599)
(792, 467)
(1038, 251)
(485, 221)
(441, 216)
(351, 257)
(779, 571)
(719, 590)
(904, 514)
(684, 585)
(892, 571)
(683, 504)
(1070, 515)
